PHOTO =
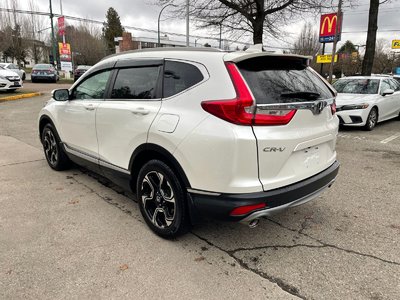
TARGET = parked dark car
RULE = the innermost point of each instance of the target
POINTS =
(45, 72)
(80, 70)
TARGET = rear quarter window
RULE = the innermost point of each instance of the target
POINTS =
(272, 79)
(179, 76)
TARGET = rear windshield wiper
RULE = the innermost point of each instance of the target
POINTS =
(301, 95)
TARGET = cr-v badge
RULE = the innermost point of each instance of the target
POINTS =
(274, 149)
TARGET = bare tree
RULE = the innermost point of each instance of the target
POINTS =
(257, 17)
(384, 60)
(87, 44)
(307, 43)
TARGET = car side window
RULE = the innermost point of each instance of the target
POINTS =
(179, 76)
(136, 83)
(385, 86)
(92, 87)
(394, 85)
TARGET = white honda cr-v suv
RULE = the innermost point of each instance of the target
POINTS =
(235, 136)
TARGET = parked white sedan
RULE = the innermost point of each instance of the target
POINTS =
(367, 100)
(14, 68)
(9, 80)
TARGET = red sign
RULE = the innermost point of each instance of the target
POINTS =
(61, 26)
(327, 28)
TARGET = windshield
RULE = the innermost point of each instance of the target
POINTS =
(357, 86)
(282, 80)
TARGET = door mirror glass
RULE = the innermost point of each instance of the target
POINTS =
(387, 92)
(61, 95)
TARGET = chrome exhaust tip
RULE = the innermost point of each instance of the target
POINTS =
(254, 223)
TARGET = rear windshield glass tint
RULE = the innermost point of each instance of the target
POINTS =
(357, 86)
(282, 80)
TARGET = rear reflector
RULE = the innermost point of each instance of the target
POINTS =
(244, 210)
(242, 110)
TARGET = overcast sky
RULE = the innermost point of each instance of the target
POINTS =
(144, 14)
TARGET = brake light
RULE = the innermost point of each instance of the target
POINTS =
(243, 210)
(333, 107)
(241, 110)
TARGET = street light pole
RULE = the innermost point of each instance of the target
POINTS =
(159, 16)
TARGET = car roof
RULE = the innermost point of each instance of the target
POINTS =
(192, 52)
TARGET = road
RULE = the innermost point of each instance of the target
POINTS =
(73, 235)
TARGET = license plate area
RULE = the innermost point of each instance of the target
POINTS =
(311, 157)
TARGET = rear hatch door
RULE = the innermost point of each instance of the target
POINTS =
(299, 142)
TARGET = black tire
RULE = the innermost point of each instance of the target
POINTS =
(33, 80)
(372, 119)
(54, 153)
(165, 209)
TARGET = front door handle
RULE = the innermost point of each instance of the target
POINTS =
(90, 107)
(140, 111)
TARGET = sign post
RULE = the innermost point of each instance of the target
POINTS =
(336, 37)
(329, 32)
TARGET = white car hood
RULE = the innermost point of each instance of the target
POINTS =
(7, 73)
(347, 99)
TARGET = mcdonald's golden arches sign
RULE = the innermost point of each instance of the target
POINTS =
(327, 28)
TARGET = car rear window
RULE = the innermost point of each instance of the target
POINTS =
(357, 86)
(282, 80)
(41, 67)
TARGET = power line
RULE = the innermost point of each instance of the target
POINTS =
(19, 11)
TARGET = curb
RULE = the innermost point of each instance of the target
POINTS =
(22, 96)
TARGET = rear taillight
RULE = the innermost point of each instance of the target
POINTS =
(333, 108)
(241, 110)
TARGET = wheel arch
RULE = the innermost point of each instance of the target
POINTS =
(148, 151)
(43, 121)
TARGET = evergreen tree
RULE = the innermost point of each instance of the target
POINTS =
(112, 29)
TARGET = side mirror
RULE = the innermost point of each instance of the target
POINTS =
(61, 95)
(387, 92)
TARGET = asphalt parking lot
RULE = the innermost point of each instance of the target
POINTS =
(72, 235)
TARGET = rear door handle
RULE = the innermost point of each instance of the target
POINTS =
(90, 107)
(140, 111)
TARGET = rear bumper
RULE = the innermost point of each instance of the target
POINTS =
(44, 77)
(219, 206)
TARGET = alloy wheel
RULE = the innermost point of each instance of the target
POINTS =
(158, 199)
(372, 118)
(50, 147)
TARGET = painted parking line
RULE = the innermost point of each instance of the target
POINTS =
(390, 138)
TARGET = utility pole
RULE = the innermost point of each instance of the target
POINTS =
(61, 12)
(53, 42)
(187, 23)
(335, 39)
